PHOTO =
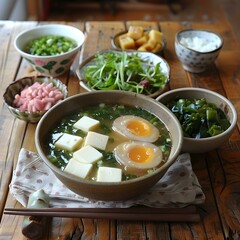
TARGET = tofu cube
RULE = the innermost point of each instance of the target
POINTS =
(78, 169)
(87, 154)
(157, 48)
(142, 49)
(86, 124)
(135, 32)
(108, 174)
(96, 140)
(150, 45)
(155, 36)
(68, 142)
(126, 43)
(142, 40)
(122, 36)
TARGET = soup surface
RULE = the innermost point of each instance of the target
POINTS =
(137, 141)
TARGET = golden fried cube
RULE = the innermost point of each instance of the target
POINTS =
(155, 36)
(142, 49)
(135, 32)
(157, 48)
(123, 36)
(150, 45)
(126, 43)
(142, 40)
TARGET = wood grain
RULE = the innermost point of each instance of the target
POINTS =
(217, 171)
(178, 77)
(9, 144)
(225, 177)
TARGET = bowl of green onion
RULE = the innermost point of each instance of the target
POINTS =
(139, 72)
(50, 48)
(207, 118)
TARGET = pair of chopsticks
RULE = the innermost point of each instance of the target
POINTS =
(187, 214)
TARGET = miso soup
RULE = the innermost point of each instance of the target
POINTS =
(137, 141)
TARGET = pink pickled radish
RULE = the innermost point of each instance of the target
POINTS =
(38, 97)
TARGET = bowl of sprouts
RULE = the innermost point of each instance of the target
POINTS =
(139, 72)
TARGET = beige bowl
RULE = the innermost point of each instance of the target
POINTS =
(203, 145)
(100, 190)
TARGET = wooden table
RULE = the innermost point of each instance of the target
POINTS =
(218, 171)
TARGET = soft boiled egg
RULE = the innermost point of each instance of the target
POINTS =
(136, 128)
(140, 155)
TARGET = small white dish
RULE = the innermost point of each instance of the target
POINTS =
(192, 50)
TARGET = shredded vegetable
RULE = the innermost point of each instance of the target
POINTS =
(122, 71)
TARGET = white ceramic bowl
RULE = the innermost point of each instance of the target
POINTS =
(50, 65)
(107, 190)
(202, 145)
(197, 49)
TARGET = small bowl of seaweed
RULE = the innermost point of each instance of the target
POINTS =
(207, 118)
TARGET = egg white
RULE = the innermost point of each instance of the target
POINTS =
(138, 155)
(136, 128)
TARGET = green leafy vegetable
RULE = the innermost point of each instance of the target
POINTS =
(122, 71)
(199, 119)
(50, 45)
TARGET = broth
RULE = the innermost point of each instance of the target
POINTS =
(106, 114)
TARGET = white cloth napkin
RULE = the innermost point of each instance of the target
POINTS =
(179, 187)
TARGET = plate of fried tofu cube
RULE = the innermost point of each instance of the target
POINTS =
(139, 39)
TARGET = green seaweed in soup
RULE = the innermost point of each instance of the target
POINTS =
(106, 114)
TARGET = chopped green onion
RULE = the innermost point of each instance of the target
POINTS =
(50, 45)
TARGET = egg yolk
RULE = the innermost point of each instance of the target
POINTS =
(139, 128)
(140, 154)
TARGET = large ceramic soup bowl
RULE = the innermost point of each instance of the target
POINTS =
(117, 144)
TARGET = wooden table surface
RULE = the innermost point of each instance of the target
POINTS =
(218, 171)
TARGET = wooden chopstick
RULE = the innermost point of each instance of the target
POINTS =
(188, 214)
